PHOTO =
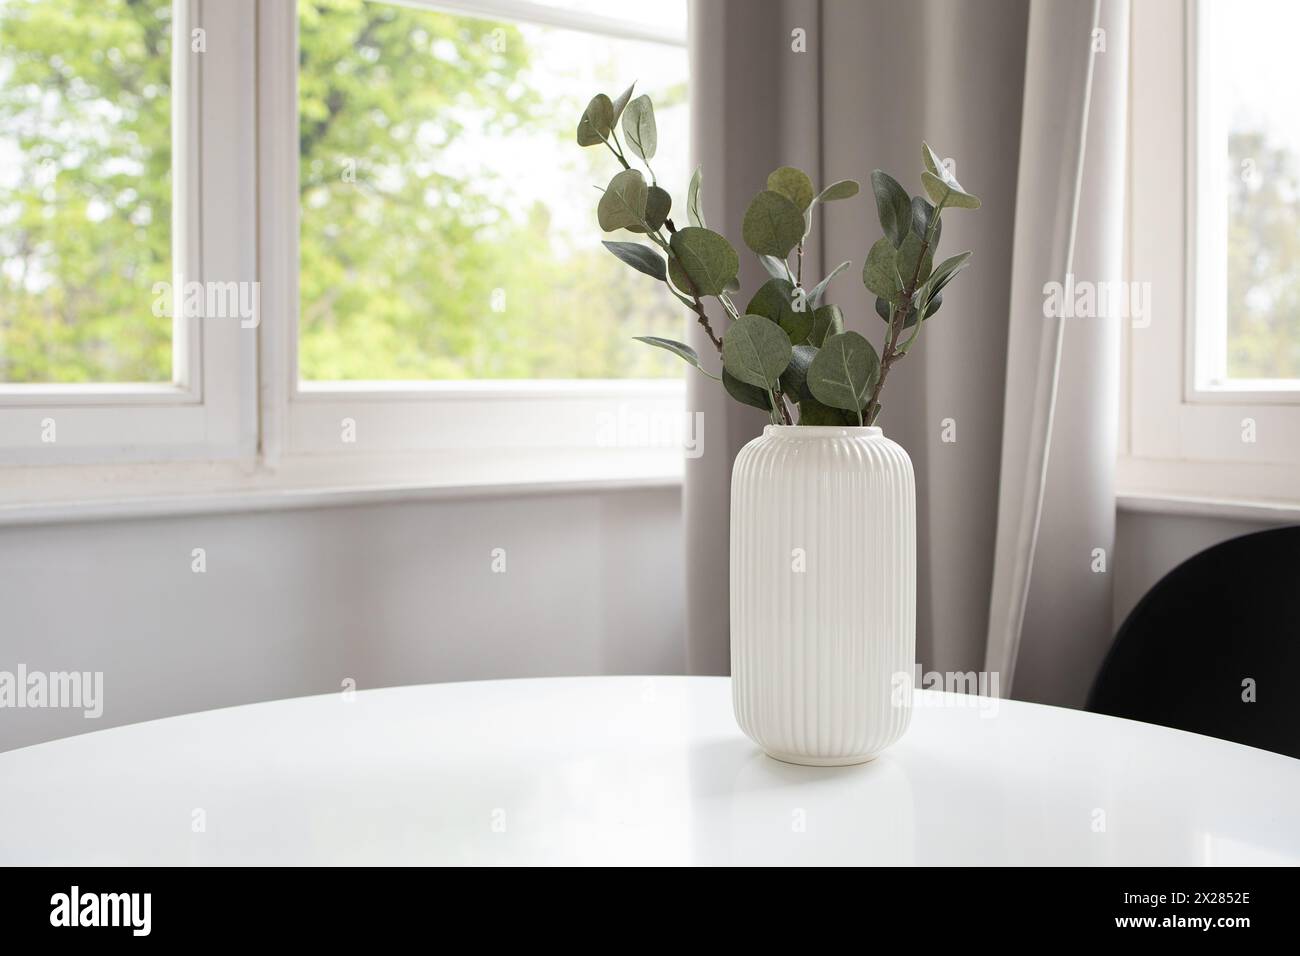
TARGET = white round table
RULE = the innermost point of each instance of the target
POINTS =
(634, 770)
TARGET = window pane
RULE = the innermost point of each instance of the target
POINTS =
(85, 190)
(448, 216)
(1254, 76)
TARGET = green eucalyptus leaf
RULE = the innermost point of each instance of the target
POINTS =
(706, 257)
(657, 206)
(755, 350)
(930, 158)
(746, 394)
(843, 372)
(916, 331)
(794, 380)
(844, 189)
(639, 127)
(946, 270)
(680, 349)
(620, 104)
(815, 296)
(733, 286)
(694, 213)
(792, 183)
(934, 288)
(941, 184)
(798, 325)
(892, 206)
(935, 187)
(623, 202)
(963, 200)
(772, 300)
(639, 257)
(597, 120)
(813, 412)
(828, 320)
(931, 292)
(775, 300)
(885, 311)
(880, 271)
(944, 192)
(680, 280)
(915, 260)
(773, 225)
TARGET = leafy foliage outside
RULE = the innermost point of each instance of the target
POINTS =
(407, 271)
(85, 190)
(1263, 260)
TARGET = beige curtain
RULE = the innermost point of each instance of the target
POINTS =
(877, 77)
(1050, 617)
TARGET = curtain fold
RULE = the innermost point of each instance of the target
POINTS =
(876, 78)
(1050, 617)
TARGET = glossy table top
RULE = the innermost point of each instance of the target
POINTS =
(635, 770)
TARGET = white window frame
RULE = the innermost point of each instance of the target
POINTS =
(235, 431)
(1180, 430)
(454, 431)
(208, 411)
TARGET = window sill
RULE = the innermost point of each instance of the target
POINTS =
(1272, 512)
(1246, 490)
(55, 494)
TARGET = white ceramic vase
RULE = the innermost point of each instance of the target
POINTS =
(823, 592)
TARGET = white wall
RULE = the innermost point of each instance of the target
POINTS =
(294, 602)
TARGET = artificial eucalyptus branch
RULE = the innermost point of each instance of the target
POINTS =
(788, 343)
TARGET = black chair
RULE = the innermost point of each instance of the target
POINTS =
(1228, 615)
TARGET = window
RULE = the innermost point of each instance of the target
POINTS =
(429, 220)
(1247, 198)
(1212, 378)
(112, 206)
(262, 246)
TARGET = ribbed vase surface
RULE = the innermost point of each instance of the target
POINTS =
(823, 592)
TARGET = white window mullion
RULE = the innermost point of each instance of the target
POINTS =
(187, 68)
(1207, 343)
(277, 170)
(228, 197)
